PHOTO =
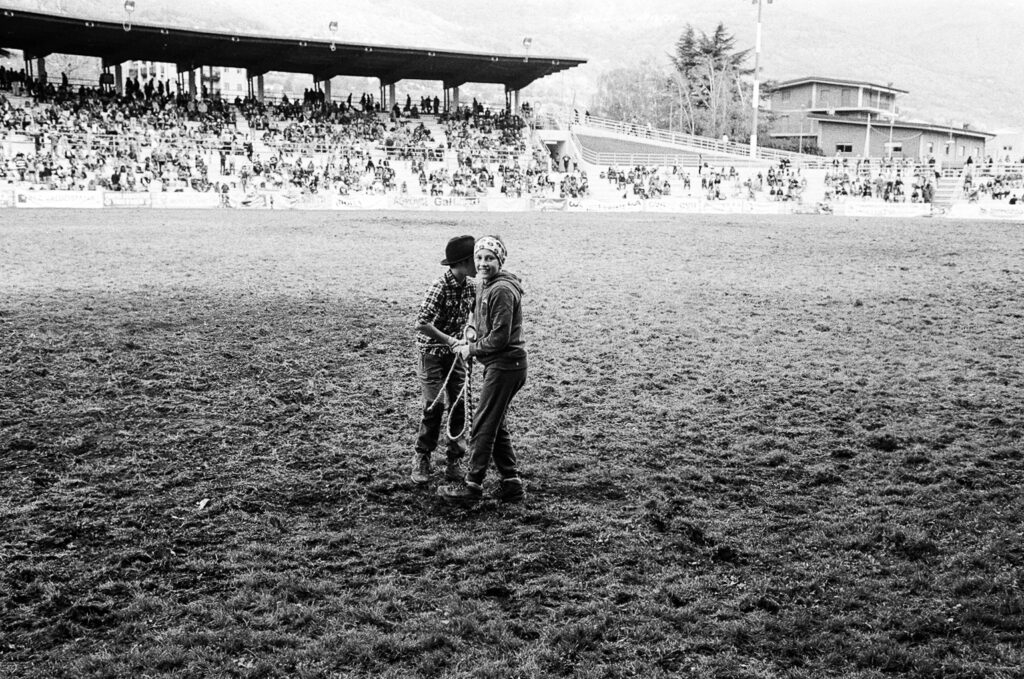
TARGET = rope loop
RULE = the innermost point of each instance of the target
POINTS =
(463, 396)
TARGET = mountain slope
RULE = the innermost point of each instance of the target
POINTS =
(958, 65)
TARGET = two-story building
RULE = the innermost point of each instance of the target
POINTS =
(860, 119)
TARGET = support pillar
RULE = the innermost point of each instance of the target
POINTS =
(455, 98)
(515, 102)
(41, 68)
(327, 91)
(192, 84)
(259, 88)
(867, 138)
(119, 79)
(392, 96)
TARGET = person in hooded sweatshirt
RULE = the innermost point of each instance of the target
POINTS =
(499, 348)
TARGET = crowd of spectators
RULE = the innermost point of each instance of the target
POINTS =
(639, 181)
(991, 184)
(891, 186)
(778, 183)
(152, 138)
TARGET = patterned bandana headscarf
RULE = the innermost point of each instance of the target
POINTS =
(494, 245)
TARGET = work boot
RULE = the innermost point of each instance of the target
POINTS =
(420, 468)
(511, 490)
(461, 493)
(454, 471)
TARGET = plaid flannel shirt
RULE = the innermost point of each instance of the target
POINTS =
(447, 306)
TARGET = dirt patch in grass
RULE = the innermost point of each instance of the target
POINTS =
(753, 447)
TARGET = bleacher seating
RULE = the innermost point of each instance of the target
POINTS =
(147, 140)
(150, 140)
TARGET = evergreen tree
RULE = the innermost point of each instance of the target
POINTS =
(706, 91)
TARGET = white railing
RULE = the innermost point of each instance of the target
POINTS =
(705, 144)
(682, 158)
(637, 159)
(994, 169)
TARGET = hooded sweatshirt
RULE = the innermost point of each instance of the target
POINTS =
(498, 318)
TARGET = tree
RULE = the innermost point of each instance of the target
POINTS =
(709, 81)
(704, 92)
(633, 94)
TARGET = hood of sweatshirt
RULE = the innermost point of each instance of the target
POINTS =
(506, 277)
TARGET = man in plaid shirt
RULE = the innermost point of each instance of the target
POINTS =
(443, 316)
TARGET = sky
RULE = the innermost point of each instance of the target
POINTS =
(960, 60)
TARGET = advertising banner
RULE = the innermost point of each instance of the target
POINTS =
(434, 203)
(870, 209)
(506, 204)
(284, 200)
(983, 211)
(589, 205)
(126, 199)
(728, 207)
(242, 200)
(455, 203)
(997, 211)
(412, 202)
(549, 204)
(58, 199)
(191, 200)
(358, 202)
(313, 201)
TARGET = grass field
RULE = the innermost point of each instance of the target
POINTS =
(753, 447)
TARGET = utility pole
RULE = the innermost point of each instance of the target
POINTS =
(756, 99)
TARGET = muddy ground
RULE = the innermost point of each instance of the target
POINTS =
(753, 447)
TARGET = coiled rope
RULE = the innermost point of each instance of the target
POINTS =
(469, 333)
(463, 396)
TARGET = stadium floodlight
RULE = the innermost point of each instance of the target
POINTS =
(333, 26)
(129, 7)
(527, 42)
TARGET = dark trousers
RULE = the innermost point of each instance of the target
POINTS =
(490, 438)
(433, 370)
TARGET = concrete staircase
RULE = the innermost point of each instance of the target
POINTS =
(948, 189)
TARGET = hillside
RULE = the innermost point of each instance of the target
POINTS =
(957, 67)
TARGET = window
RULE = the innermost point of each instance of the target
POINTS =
(785, 97)
(895, 147)
(963, 151)
(844, 148)
(931, 147)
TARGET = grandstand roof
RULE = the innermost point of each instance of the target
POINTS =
(42, 34)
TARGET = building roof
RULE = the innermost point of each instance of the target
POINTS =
(901, 125)
(41, 34)
(837, 81)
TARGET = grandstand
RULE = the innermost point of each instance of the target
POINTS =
(150, 139)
